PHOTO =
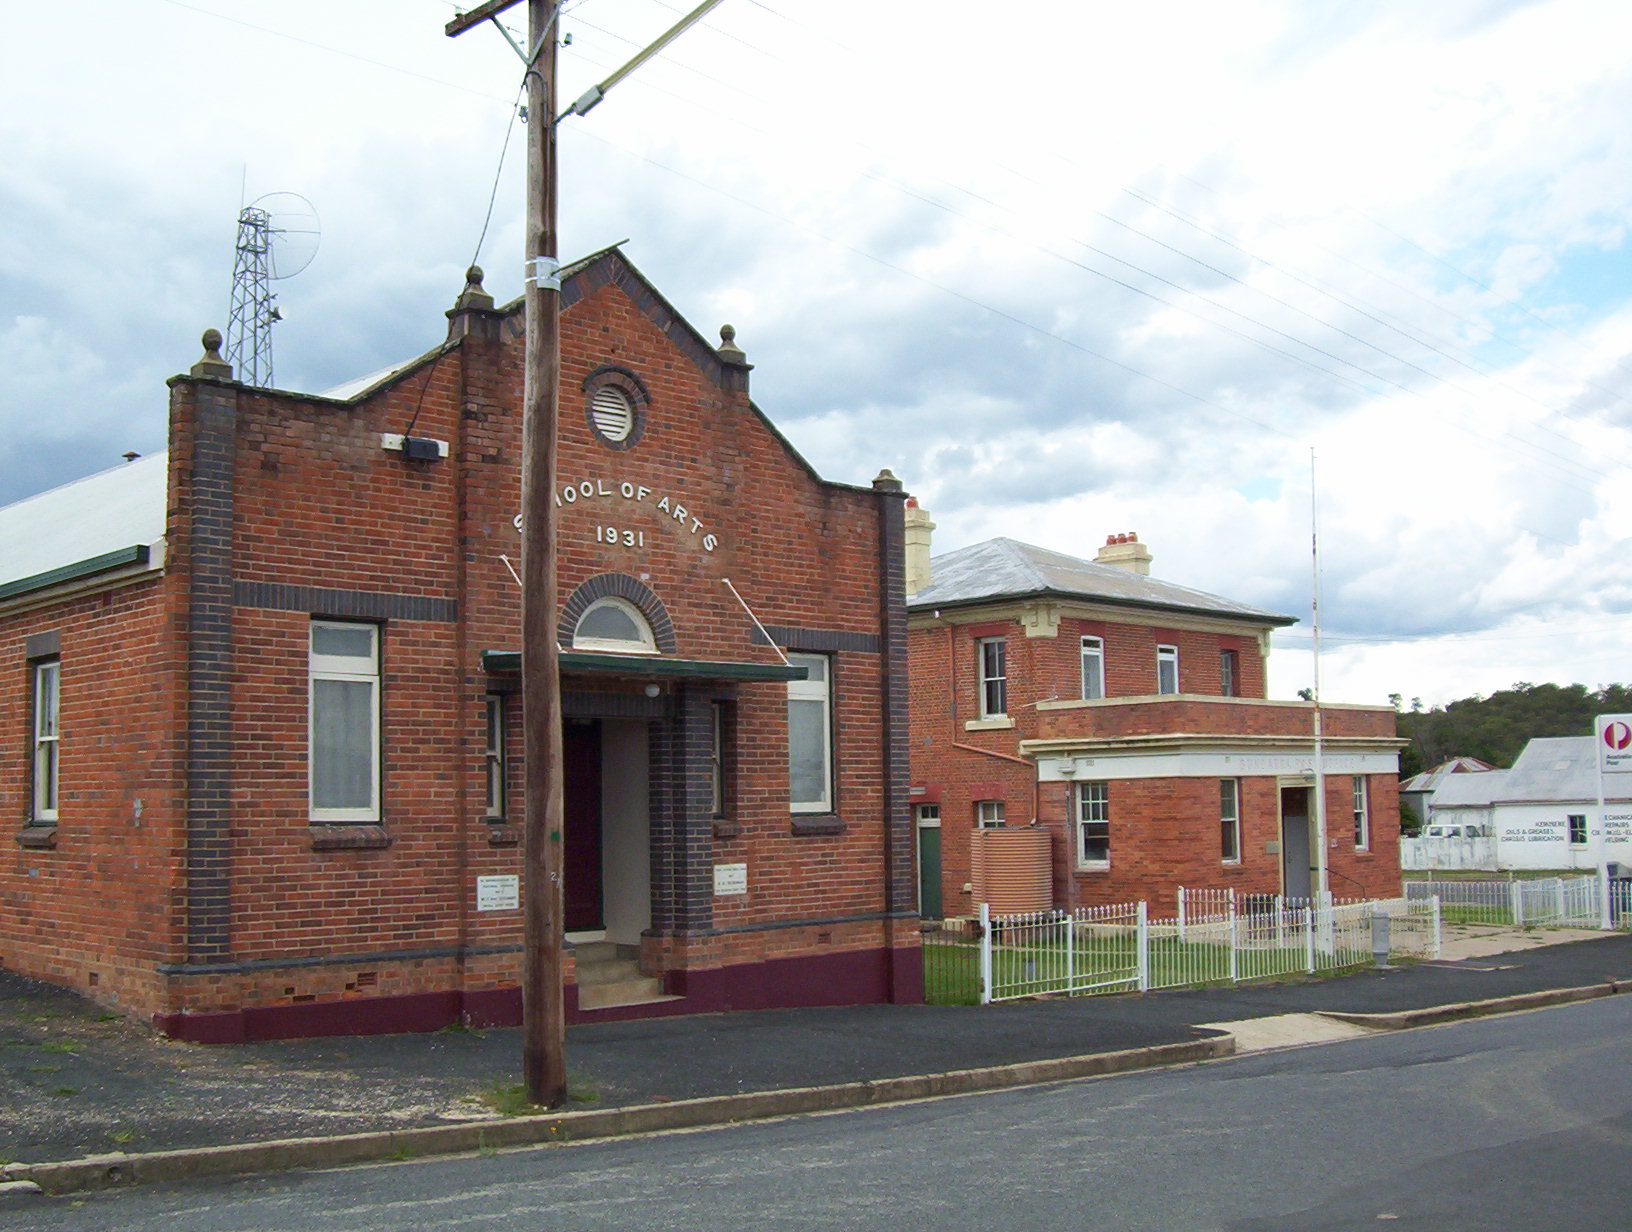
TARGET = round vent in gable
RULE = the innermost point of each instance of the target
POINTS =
(612, 414)
(615, 407)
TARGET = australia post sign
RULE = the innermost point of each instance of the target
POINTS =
(1614, 732)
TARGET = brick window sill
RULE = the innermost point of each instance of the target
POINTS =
(724, 827)
(348, 836)
(502, 834)
(817, 823)
(37, 838)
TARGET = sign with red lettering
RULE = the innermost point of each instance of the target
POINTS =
(1614, 732)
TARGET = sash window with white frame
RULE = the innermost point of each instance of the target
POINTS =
(810, 735)
(47, 708)
(344, 721)
(1167, 669)
(1229, 820)
(994, 682)
(1093, 825)
(1093, 668)
(1362, 815)
(989, 814)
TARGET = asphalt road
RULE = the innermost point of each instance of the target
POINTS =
(1513, 1123)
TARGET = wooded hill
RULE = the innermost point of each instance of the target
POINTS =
(1496, 728)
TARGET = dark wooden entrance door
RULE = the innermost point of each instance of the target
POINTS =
(929, 872)
(581, 841)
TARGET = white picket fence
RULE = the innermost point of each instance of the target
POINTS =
(1539, 902)
(1215, 938)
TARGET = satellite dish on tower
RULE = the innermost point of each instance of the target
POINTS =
(278, 235)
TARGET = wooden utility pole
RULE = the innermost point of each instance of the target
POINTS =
(544, 1065)
(543, 1012)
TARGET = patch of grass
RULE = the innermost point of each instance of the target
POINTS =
(510, 1098)
(462, 1028)
(1024, 968)
(45, 1069)
(65, 1091)
(70, 1047)
(952, 974)
(109, 1017)
(119, 1137)
(1471, 913)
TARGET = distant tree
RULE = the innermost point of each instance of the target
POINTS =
(1410, 821)
(1495, 729)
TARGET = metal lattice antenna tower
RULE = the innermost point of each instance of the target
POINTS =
(254, 307)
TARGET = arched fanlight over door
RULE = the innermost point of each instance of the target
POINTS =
(615, 625)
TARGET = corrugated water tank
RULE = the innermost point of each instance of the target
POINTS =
(1011, 870)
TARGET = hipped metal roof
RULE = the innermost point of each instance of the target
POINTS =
(100, 522)
(1000, 569)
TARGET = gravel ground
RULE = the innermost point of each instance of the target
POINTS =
(75, 1080)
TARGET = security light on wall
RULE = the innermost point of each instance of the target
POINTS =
(415, 448)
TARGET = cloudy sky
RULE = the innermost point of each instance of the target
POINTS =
(1071, 269)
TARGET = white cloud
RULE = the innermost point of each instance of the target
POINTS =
(1398, 234)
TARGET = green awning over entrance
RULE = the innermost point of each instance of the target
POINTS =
(648, 666)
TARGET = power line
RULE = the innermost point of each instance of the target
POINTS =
(1550, 458)
(1547, 457)
(337, 51)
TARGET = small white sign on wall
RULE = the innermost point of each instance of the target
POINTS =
(498, 893)
(730, 879)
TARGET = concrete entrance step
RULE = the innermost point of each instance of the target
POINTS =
(602, 996)
(602, 951)
(611, 971)
(609, 975)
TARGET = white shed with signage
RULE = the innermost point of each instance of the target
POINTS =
(1541, 814)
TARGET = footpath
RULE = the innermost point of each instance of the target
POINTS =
(89, 1099)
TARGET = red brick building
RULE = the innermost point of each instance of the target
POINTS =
(264, 700)
(1128, 717)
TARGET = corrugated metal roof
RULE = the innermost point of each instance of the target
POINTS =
(1551, 770)
(1554, 768)
(1469, 790)
(102, 513)
(1430, 779)
(1006, 569)
(347, 390)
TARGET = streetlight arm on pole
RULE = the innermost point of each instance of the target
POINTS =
(592, 96)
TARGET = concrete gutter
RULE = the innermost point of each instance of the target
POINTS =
(1406, 1019)
(108, 1171)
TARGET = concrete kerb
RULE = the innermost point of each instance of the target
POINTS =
(1457, 1011)
(112, 1170)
